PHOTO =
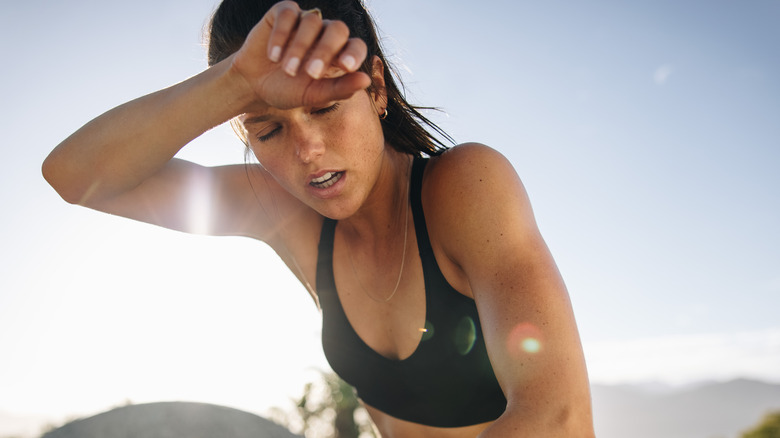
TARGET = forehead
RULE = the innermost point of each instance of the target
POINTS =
(254, 118)
(256, 111)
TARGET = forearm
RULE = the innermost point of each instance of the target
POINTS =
(121, 148)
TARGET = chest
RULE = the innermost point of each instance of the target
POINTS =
(383, 302)
(415, 358)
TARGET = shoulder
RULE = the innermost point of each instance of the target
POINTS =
(472, 194)
(466, 155)
(471, 176)
(469, 170)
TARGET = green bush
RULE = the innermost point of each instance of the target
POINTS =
(768, 428)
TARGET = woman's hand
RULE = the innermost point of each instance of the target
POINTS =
(294, 58)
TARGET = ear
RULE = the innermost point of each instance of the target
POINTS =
(378, 90)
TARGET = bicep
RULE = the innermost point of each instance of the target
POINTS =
(524, 308)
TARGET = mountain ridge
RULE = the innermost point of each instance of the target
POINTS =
(710, 410)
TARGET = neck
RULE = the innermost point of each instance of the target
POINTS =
(381, 217)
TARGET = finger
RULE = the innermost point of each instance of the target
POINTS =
(307, 33)
(283, 21)
(353, 55)
(332, 40)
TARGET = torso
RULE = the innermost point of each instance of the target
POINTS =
(390, 328)
(399, 340)
(390, 427)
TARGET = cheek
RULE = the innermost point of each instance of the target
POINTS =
(268, 157)
(269, 160)
(363, 131)
(275, 160)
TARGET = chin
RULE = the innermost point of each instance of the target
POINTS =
(334, 210)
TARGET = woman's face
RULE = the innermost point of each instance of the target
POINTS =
(328, 157)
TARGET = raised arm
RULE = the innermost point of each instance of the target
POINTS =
(122, 161)
(526, 315)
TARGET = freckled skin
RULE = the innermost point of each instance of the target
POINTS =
(480, 222)
(349, 139)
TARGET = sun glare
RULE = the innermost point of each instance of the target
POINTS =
(199, 204)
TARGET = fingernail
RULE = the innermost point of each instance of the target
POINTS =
(348, 62)
(276, 53)
(315, 68)
(292, 66)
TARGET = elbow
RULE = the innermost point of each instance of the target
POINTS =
(54, 172)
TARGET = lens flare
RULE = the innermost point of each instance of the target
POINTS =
(531, 345)
(427, 331)
(465, 335)
(525, 338)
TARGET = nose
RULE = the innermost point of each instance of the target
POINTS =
(309, 147)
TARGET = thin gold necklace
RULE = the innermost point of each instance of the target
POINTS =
(403, 256)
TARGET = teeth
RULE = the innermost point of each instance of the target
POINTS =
(323, 178)
(326, 180)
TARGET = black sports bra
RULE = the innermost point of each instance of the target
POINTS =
(448, 380)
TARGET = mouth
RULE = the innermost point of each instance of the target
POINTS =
(326, 180)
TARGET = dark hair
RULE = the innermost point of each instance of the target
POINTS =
(404, 127)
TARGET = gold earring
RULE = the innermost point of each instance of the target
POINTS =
(384, 115)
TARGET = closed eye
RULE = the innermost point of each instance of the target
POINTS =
(277, 129)
(327, 109)
(270, 135)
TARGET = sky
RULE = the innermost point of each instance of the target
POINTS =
(646, 134)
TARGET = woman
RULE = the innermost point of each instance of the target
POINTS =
(471, 334)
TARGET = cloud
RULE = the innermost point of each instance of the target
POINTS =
(687, 358)
(662, 74)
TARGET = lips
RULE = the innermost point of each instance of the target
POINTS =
(326, 180)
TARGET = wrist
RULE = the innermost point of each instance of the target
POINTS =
(238, 89)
